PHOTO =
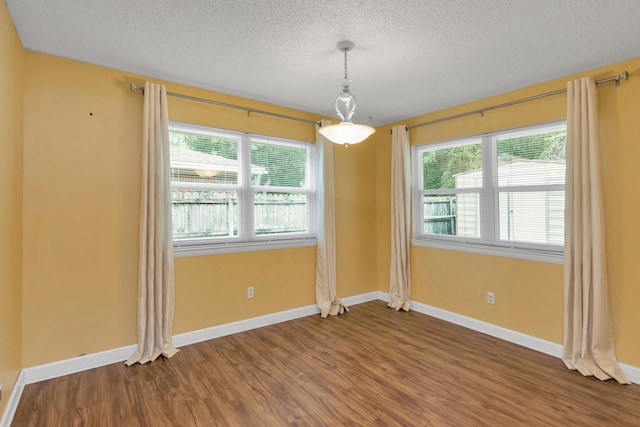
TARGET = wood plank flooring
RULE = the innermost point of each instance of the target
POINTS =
(370, 367)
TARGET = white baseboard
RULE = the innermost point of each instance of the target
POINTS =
(205, 334)
(384, 296)
(14, 399)
(528, 341)
(632, 372)
(85, 362)
(362, 298)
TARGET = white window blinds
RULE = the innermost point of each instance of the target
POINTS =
(530, 185)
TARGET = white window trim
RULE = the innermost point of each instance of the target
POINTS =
(222, 245)
(476, 248)
(489, 226)
(182, 251)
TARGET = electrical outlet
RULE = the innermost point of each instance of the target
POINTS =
(250, 292)
(491, 298)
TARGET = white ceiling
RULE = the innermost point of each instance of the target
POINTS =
(411, 56)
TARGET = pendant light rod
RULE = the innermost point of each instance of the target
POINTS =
(346, 77)
(345, 46)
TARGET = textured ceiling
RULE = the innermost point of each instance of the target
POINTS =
(411, 57)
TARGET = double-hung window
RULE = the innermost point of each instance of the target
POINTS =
(234, 191)
(500, 193)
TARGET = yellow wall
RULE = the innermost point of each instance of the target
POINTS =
(529, 295)
(81, 187)
(11, 70)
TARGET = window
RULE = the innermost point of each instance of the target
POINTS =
(233, 191)
(499, 193)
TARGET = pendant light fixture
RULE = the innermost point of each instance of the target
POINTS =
(346, 132)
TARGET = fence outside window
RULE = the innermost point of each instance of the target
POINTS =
(206, 214)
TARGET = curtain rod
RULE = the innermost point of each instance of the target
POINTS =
(224, 104)
(617, 78)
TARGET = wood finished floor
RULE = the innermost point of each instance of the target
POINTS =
(372, 367)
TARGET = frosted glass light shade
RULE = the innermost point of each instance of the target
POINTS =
(346, 133)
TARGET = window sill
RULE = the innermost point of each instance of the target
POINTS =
(530, 255)
(234, 247)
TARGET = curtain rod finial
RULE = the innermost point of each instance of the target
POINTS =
(623, 76)
(134, 87)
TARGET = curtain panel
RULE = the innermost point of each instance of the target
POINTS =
(400, 277)
(326, 294)
(588, 331)
(156, 274)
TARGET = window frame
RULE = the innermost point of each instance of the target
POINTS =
(489, 242)
(246, 239)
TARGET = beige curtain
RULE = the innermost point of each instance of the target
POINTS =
(400, 280)
(588, 334)
(155, 270)
(326, 297)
